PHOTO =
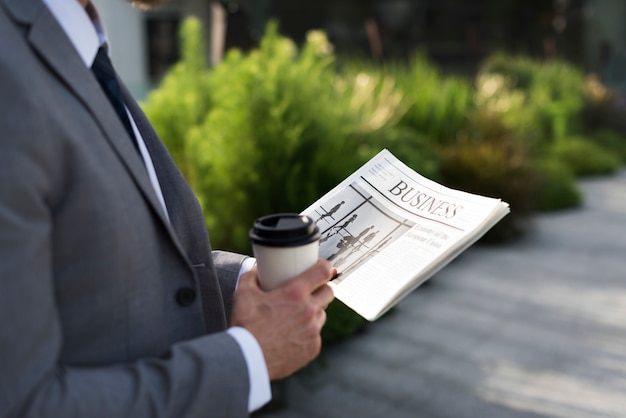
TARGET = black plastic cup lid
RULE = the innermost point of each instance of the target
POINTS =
(284, 230)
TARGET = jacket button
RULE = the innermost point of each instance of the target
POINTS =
(185, 296)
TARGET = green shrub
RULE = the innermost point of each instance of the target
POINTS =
(556, 186)
(496, 94)
(610, 141)
(377, 104)
(491, 162)
(437, 105)
(275, 139)
(558, 91)
(520, 70)
(283, 129)
(551, 95)
(585, 158)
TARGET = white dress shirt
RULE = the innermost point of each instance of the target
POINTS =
(87, 34)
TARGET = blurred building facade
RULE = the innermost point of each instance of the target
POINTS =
(455, 34)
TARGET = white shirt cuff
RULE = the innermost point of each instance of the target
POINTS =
(260, 389)
(246, 266)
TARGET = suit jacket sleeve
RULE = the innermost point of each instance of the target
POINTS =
(228, 266)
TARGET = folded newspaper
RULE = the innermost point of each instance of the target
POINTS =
(387, 229)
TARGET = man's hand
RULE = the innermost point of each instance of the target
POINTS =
(287, 320)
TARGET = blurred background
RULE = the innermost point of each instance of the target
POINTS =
(265, 105)
(456, 34)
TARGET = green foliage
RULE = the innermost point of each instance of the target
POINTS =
(437, 105)
(497, 94)
(550, 94)
(610, 141)
(541, 103)
(488, 160)
(272, 130)
(378, 101)
(556, 186)
(520, 70)
(558, 92)
(585, 158)
(275, 139)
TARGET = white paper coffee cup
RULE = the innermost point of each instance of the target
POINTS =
(285, 245)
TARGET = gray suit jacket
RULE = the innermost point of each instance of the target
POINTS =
(106, 308)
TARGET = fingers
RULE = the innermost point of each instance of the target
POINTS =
(321, 319)
(317, 275)
(310, 287)
(322, 296)
(286, 321)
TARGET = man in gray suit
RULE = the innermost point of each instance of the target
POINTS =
(112, 303)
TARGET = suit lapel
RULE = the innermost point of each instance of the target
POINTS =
(186, 217)
(49, 41)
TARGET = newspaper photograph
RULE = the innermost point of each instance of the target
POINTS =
(387, 229)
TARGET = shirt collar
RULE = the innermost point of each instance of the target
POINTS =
(82, 27)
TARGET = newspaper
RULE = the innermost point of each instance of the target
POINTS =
(387, 229)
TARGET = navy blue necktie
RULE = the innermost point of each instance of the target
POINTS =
(105, 74)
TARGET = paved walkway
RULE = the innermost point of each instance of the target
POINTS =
(536, 328)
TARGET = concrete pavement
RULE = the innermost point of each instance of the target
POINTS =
(535, 328)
